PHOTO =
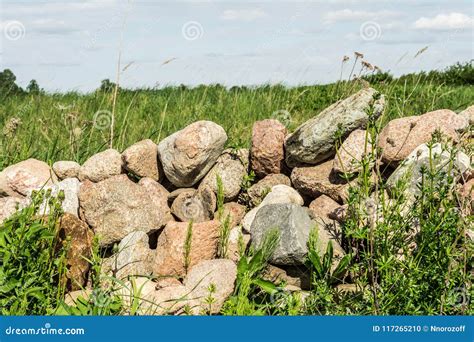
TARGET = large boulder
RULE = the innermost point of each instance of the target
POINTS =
(19, 179)
(66, 169)
(267, 152)
(315, 140)
(349, 156)
(182, 245)
(401, 136)
(260, 189)
(316, 180)
(293, 223)
(141, 159)
(77, 238)
(410, 170)
(230, 167)
(189, 154)
(101, 166)
(117, 206)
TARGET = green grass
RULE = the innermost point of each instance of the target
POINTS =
(62, 127)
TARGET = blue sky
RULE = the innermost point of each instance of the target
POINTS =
(72, 45)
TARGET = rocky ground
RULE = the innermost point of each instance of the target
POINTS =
(164, 206)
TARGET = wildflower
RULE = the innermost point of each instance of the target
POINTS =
(345, 59)
(11, 126)
(77, 131)
(358, 55)
(367, 65)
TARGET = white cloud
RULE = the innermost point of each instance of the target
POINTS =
(450, 21)
(245, 15)
(348, 14)
(60, 7)
(52, 26)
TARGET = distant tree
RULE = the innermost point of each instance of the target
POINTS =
(7, 83)
(106, 86)
(33, 87)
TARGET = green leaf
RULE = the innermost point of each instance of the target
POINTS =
(266, 286)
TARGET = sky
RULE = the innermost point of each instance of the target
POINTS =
(73, 45)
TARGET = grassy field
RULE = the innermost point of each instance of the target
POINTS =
(74, 126)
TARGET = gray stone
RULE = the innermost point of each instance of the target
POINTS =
(189, 154)
(409, 171)
(221, 274)
(134, 258)
(194, 205)
(231, 171)
(278, 194)
(314, 141)
(294, 224)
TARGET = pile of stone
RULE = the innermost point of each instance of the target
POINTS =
(158, 203)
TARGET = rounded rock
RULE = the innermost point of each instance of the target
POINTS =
(189, 154)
